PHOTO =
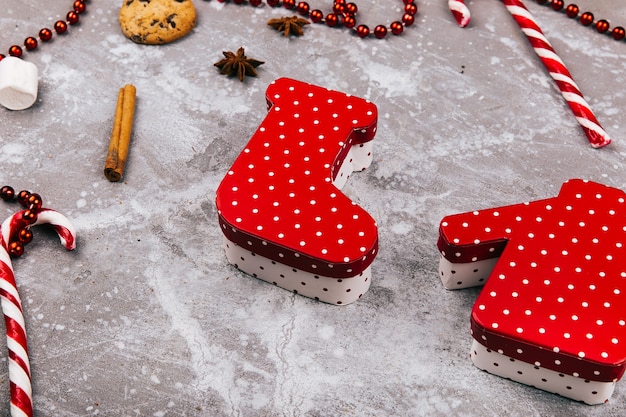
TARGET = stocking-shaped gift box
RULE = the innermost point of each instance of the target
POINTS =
(551, 314)
(280, 207)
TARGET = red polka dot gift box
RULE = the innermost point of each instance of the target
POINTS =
(280, 207)
(551, 313)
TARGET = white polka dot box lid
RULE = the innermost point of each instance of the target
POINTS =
(555, 297)
(281, 199)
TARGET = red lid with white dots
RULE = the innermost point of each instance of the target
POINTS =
(556, 296)
(278, 199)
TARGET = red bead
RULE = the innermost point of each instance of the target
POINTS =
(572, 10)
(618, 33)
(29, 216)
(2, 56)
(22, 197)
(303, 8)
(45, 34)
(25, 236)
(351, 8)
(16, 51)
(338, 8)
(396, 28)
(586, 18)
(407, 1)
(411, 9)
(30, 43)
(348, 21)
(342, 2)
(79, 6)
(380, 31)
(7, 193)
(72, 18)
(273, 3)
(256, 3)
(363, 31)
(557, 4)
(332, 20)
(602, 26)
(316, 16)
(60, 27)
(408, 19)
(16, 249)
(289, 4)
(34, 201)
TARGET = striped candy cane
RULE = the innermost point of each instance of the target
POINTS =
(460, 12)
(585, 117)
(19, 364)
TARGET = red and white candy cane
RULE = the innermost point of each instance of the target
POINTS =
(460, 12)
(19, 364)
(595, 133)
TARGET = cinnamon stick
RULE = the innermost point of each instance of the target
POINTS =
(120, 136)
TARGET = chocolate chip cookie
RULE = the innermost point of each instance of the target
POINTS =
(155, 22)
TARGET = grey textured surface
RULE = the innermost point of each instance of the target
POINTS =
(146, 317)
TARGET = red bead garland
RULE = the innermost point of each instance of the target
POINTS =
(343, 15)
(45, 35)
(33, 203)
(586, 19)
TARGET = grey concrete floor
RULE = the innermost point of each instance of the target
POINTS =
(147, 318)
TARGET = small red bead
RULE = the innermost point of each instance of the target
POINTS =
(25, 236)
(316, 16)
(363, 31)
(30, 43)
(602, 26)
(255, 3)
(7, 193)
(572, 10)
(273, 3)
(45, 34)
(72, 18)
(407, 1)
(16, 249)
(79, 6)
(289, 4)
(352, 8)
(348, 21)
(338, 8)
(22, 197)
(342, 2)
(29, 216)
(408, 19)
(15, 51)
(60, 27)
(396, 28)
(380, 31)
(410, 9)
(2, 56)
(557, 4)
(618, 33)
(586, 18)
(34, 201)
(303, 8)
(332, 20)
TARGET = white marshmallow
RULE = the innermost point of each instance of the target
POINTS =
(18, 83)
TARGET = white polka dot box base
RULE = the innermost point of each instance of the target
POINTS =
(280, 207)
(551, 311)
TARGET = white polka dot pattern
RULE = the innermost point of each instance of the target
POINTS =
(281, 197)
(576, 388)
(556, 294)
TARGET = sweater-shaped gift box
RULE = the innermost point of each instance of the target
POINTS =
(551, 313)
(280, 207)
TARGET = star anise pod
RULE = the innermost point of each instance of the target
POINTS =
(238, 64)
(289, 25)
